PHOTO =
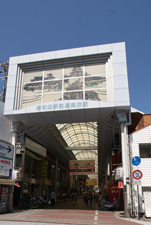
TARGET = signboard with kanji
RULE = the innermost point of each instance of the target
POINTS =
(6, 159)
(77, 167)
(91, 182)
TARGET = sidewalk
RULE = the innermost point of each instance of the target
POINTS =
(143, 221)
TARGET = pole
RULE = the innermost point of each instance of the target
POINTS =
(138, 207)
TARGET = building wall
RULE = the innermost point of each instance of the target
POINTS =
(116, 74)
(144, 121)
(5, 124)
(138, 137)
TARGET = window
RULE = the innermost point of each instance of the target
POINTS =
(145, 189)
(145, 150)
(18, 160)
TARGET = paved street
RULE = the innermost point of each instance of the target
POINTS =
(66, 213)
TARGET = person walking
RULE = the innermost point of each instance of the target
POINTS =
(90, 196)
(74, 196)
(52, 197)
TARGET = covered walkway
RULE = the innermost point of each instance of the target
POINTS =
(66, 213)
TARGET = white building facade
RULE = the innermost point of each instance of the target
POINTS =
(6, 162)
(82, 85)
(141, 146)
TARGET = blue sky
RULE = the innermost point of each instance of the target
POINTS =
(34, 26)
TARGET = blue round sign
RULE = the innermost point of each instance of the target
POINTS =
(136, 160)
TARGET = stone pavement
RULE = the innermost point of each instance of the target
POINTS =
(67, 213)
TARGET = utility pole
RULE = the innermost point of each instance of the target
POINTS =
(4, 71)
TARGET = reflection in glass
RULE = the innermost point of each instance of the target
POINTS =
(95, 82)
(52, 86)
(53, 74)
(52, 97)
(94, 69)
(33, 76)
(73, 95)
(76, 71)
(32, 88)
(31, 100)
(96, 95)
(73, 84)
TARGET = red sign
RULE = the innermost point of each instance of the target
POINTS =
(137, 174)
(120, 184)
(114, 192)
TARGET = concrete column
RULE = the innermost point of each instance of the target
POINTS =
(15, 125)
(122, 116)
(125, 166)
(56, 173)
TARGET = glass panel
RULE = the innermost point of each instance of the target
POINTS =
(145, 150)
(31, 100)
(73, 84)
(94, 69)
(52, 97)
(96, 95)
(32, 88)
(27, 166)
(33, 76)
(95, 82)
(76, 71)
(52, 86)
(18, 160)
(73, 95)
(53, 74)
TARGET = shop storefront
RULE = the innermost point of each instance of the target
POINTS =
(36, 171)
(6, 182)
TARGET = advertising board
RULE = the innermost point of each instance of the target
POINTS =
(6, 159)
(77, 167)
(147, 203)
(91, 182)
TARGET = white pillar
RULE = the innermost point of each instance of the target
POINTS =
(122, 116)
(15, 125)
(123, 152)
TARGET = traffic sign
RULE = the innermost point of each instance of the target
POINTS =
(136, 160)
(137, 174)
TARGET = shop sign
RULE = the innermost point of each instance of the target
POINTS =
(78, 167)
(120, 184)
(6, 159)
(44, 167)
(47, 182)
(115, 192)
(62, 105)
(91, 182)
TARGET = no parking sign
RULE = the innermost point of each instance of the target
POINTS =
(137, 174)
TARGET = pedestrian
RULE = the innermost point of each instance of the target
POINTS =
(64, 196)
(74, 196)
(90, 196)
(83, 195)
(53, 197)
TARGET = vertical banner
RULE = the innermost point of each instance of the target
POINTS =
(44, 168)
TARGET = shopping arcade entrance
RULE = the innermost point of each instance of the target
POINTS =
(83, 141)
(82, 85)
